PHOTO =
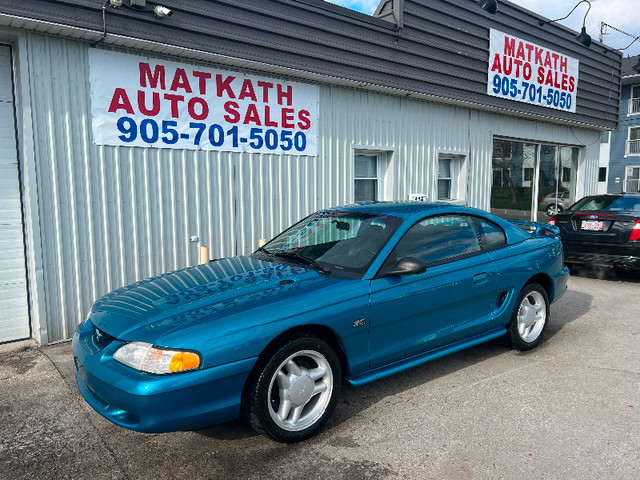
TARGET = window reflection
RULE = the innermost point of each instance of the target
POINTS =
(525, 171)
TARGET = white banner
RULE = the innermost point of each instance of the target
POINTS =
(146, 102)
(526, 72)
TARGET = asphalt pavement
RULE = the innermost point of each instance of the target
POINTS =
(568, 410)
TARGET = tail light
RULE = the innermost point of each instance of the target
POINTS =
(542, 199)
(552, 221)
(635, 232)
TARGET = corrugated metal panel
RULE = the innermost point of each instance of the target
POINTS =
(112, 215)
(14, 321)
(441, 51)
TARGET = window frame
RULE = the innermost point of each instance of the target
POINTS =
(393, 257)
(634, 99)
(476, 220)
(451, 161)
(627, 149)
(600, 169)
(376, 178)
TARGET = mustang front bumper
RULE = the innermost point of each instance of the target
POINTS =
(154, 403)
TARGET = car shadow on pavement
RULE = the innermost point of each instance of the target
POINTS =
(606, 273)
(354, 400)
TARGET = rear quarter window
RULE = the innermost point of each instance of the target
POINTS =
(491, 235)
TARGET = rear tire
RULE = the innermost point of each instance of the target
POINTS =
(552, 210)
(530, 317)
(295, 391)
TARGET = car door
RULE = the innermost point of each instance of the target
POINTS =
(452, 300)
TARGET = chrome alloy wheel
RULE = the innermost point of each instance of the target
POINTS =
(300, 390)
(532, 315)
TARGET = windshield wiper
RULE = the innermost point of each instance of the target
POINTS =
(306, 260)
(263, 250)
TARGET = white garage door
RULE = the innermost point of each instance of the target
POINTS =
(14, 312)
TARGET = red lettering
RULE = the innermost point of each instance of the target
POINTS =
(282, 95)
(224, 86)
(247, 91)
(572, 84)
(538, 56)
(142, 106)
(305, 120)
(157, 77)
(564, 81)
(174, 99)
(556, 83)
(120, 100)
(518, 64)
(547, 60)
(520, 52)
(529, 47)
(204, 108)
(509, 47)
(202, 81)
(507, 69)
(252, 115)
(497, 66)
(526, 71)
(180, 80)
(563, 64)
(549, 80)
(233, 115)
(555, 60)
(266, 86)
(540, 78)
(287, 118)
(267, 117)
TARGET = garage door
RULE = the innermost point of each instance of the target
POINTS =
(14, 316)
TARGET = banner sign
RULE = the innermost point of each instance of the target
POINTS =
(526, 72)
(145, 102)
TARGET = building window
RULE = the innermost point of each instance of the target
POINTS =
(566, 174)
(632, 179)
(602, 174)
(633, 143)
(366, 178)
(528, 174)
(604, 137)
(634, 101)
(452, 182)
(444, 178)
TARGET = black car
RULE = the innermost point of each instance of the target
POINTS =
(601, 230)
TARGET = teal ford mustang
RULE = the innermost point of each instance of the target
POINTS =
(349, 294)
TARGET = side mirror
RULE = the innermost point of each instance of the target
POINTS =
(405, 266)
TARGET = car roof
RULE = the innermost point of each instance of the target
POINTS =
(400, 209)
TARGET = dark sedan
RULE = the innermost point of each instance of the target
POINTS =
(602, 230)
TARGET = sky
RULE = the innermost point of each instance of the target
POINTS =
(622, 14)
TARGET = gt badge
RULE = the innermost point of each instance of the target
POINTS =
(359, 323)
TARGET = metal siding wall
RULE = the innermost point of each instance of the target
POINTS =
(113, 215)
(110, 216)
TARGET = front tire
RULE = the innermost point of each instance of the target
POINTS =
(295, 391)
(529, 318)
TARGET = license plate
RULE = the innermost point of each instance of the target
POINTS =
(592, 225)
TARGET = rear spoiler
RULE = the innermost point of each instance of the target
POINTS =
(536, 227)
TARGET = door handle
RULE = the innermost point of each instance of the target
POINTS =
(481, 278)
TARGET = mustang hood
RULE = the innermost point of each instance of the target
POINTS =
(151, 308)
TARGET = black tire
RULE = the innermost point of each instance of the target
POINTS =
(551, 210)
(266, 411)
(530, 317)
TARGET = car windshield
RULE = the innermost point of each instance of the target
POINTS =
(333, 242)
(607, 203)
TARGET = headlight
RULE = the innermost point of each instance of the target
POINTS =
(147, 358)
